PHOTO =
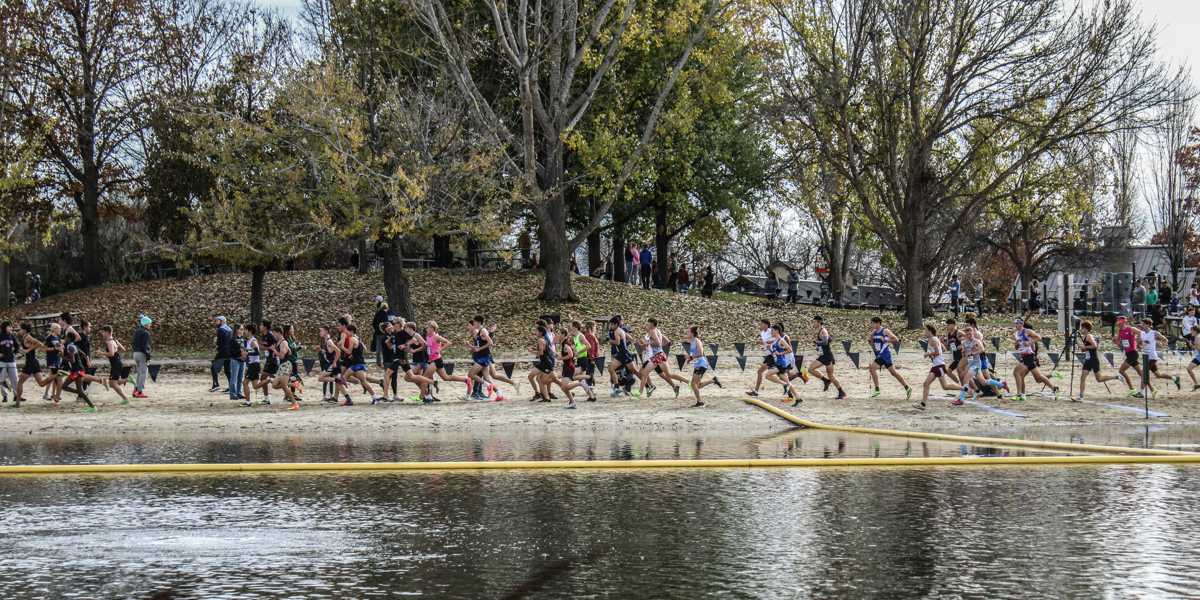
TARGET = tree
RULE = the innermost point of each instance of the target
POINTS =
(930, 110)
(557, 55)
(1174, 210)
(80, 78)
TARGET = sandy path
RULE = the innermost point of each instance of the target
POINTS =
(180, 403)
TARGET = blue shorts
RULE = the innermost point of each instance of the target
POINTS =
(483, 361)
(884, 361)
(358, 367)
(420, 366)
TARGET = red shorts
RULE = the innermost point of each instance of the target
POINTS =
(658, 359)
(74, 376)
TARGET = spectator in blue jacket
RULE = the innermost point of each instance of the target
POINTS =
(141, 355)
(225, 345)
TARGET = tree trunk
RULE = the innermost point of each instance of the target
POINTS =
(89, 230)
(472, 252)
(555, 252)
(5, 287)
(662, 243)
(914, 294)
(595, 255)
(441, 252)
(257, 276)
(618, 253)
(364, 257)
(395, 281)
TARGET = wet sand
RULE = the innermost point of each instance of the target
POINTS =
(179, 403)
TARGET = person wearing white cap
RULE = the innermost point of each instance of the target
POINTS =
(141, 354)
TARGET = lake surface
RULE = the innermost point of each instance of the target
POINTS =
(1002, 532)
(1083, 532)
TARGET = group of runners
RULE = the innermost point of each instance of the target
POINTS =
(67, 366)
(568, 357)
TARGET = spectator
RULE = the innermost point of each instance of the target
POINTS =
(793, 289)
(646, 259)
(141, 356)
(224, 346)
(1194, 296)
(672, 279)
(979, 297)
(682, 279)
(1035, 303)
(707, 290)
(574, 265)
(377, 324)
(1166, 294)
(1153, 308)
(354, 258)
(955, 291)
(1139, 297)
(630, 254)
(635, 266)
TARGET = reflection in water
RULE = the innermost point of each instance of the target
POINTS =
(768, 533)
(493, 446)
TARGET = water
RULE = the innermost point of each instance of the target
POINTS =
(512, 445)
(1083, 532)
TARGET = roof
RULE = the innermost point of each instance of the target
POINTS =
(1140, 260)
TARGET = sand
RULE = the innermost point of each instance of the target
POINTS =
(180, 403)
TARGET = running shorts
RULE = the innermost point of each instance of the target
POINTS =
(883, 361)
(1131, 359)
(1030, 361)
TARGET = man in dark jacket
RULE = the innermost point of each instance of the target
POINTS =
(377, 324)
(225, 344)
(141, 355)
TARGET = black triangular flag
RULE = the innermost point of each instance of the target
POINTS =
(508, 369)
(1082, 356)
(308, 365)
(741, 348)
(1046, 342)
(741, 360)
(799, 360)
(679, 358)
(449, 366)
(1109, 357)
(853, 358)
(667, 348)
(154, 372)
(712, 362)
(896, 345)
(713, 347)
(846, 346)
(992, 361)
(599, 363)
(1016, 356)
(924, 345)
(1054, 358)
(996, 343)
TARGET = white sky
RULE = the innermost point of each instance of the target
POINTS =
(1177, 21)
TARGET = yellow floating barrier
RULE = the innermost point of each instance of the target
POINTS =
(967, 439)
(550, 465)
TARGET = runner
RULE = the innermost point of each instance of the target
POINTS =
(881, 340)
(533, 377)
(620, 356)
(1188, 322)
(1149, 337)
(569, 381)
(785, 358)
(435, 343)
(1025, 341)
(699, 364)
(977, 379)
(75, 369)
(481, 354)
(54, 348)
(116, 368)
(656, 357)
(420, 353)
(1091, 362)
(824, 359)
(935, 352)
(8, 360)
(358, 364)
(593, 350)
(393, 347)
(32, 369)
(766, 338)
(286, 381)
(252, 354)
(954, 345)
(329, 354)
(1127, 341)
(1191, 369)
(542, 373)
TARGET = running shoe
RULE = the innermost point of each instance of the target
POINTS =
(294, 406)
(717, 382)
(825, 383)
(247, 403)
(138, 394)
(535, 397)
(215, 388)
(636, 393)
(841, 395)
(329, 400)
(124, 402)
(796, 402)
(427, 400)
(616, 392)
(348, 402)
(545, 400)
(875, 393)
(90, 409)
(1019, 398)
(650, 390)
(919, 405)
(754, 394)
(266, 401)
(698, 404)
(376, 400)
(1079, 399)
(803, 376)
(1054, 391)
(571, 404)
(1135, 394)
(415, 398)
(956, 402)
(1195, 387)
(499, 398)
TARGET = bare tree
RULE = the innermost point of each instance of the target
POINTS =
(1173, 209)
(549, 46)
(929, 110)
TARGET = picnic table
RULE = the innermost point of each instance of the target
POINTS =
(41, 323)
